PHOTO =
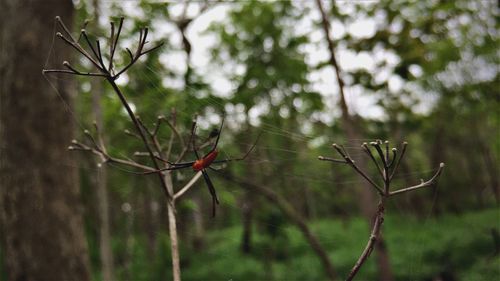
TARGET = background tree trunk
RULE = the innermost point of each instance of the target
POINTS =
(366, 201)
(42, 226)
(101, 178)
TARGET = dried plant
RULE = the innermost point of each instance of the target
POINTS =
(387, 162)
(105, 67)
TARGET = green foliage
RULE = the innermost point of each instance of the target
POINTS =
(419, 250)
(443, 110)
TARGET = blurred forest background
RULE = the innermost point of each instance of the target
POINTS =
(425, 72)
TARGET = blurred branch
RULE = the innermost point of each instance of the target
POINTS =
(290, 212)
(106, 158)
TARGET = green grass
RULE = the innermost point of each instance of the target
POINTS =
(419, 250)
(460, 245)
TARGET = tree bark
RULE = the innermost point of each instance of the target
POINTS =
(41, 212)
(247, 218)
(101, 180)
(491, 168)
(367, 198)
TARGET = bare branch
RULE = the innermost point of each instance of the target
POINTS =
(93, 141)
(99, 54)
(84, 33)
(132, 134)
(188, 185)
(63, 26)
(100, 138)
(79, 49)
(369, 152)
(143, 127)
(153, 48)
(73, 72)
(332, 160)
(394, 155)
(158, 124)
(387, 156)
(374, 236)
(405, 144)
(107, 158)
(428, 183)
(138, 53)
(114, 43)
(356, 168)
(377, 144)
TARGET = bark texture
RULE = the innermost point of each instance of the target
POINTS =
(40, 211)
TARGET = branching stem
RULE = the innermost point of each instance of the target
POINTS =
(386, 172)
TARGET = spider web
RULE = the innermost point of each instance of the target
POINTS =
(281, 156)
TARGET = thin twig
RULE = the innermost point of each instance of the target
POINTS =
(396, 166)
(188, 185)
(369, 152)
(428, 183)
(63, 26)
(78, 48)
(106, 157)
(374, 236)
(356, 168)
(376, 144)
(73, 72)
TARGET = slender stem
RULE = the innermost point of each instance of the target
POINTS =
(374, 236)
(115, 43)
(63, 26)
(79, 48)
(428, 183)
(323, 158)
(99, 54)
(107, 158)
(394, 155)
(351, 162)
(380, 152)
(387, 155)
(369, 152)
(188, 185)
(84, 33)
(398, 161)
(73, 72)
(140, 131)
(174, 241)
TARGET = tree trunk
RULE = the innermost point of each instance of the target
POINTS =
(490, 164)
(101, 179)
(366, 196)
(41, 215)
(247, 201)
(247, 219)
